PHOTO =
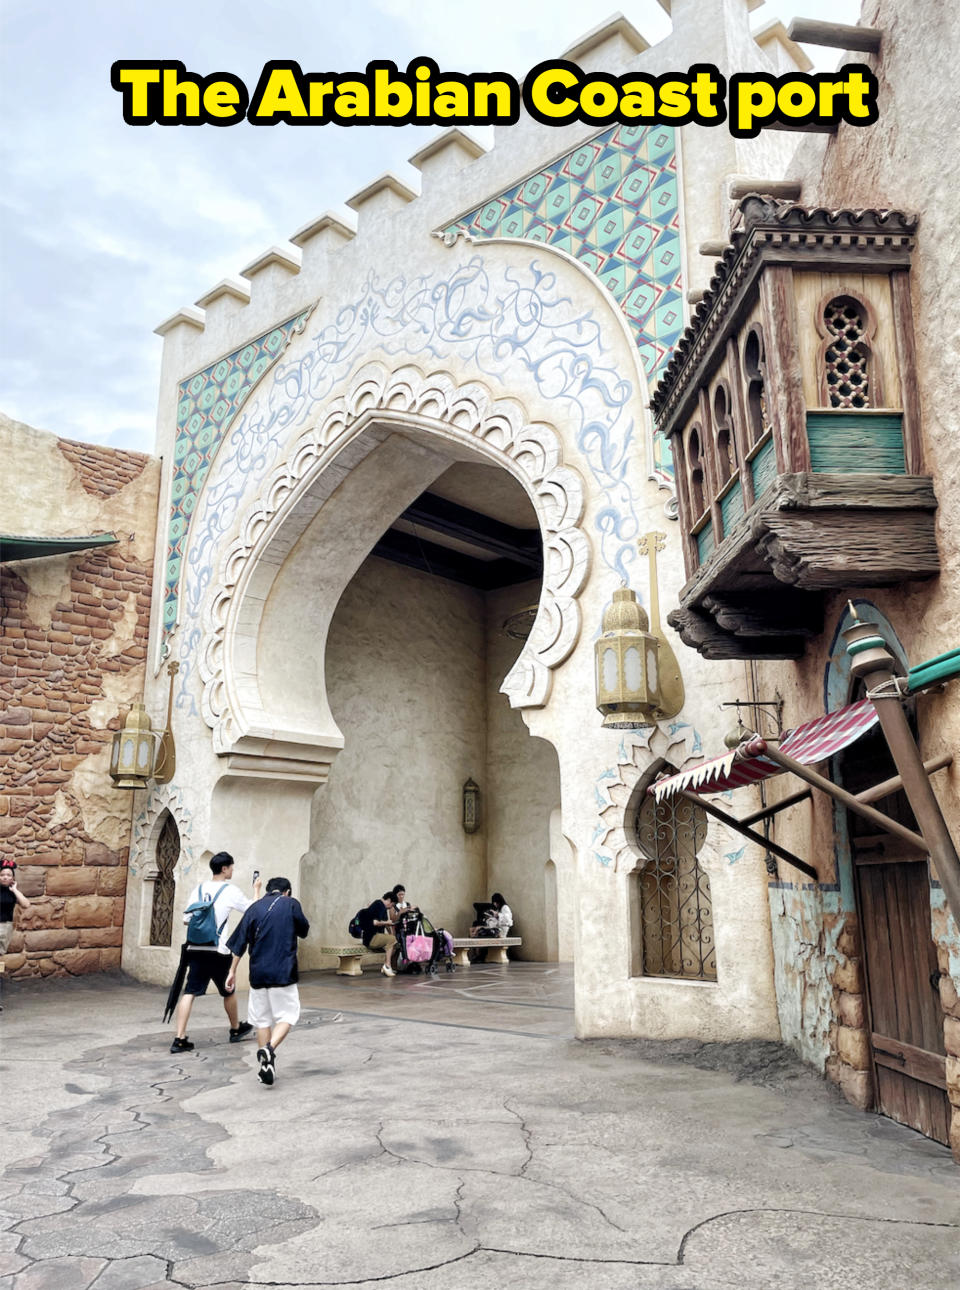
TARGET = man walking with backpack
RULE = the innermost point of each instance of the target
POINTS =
(269, 929)
(205, 956)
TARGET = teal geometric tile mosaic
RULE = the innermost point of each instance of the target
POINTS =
(206, 405)
(613, 204)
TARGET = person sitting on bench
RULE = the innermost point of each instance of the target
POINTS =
(497, 922)
(378, 933)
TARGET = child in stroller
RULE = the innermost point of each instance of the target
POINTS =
(421, 946)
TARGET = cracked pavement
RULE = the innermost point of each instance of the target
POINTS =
(437, 1133)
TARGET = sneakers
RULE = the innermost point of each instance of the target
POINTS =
(387, 971)
(182, 1046)
(241, 1032)
(268, 1065)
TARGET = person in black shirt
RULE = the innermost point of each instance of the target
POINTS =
(269, 930)
(378, 932)
(10, 897)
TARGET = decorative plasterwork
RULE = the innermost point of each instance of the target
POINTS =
(514, 325)
(146, 830)
(407, 399)
(675, 742)
(612, 203)
(206, 405)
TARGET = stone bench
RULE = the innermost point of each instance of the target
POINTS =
(497, 945)
(351, 957)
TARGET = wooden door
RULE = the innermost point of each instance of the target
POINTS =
(900, 958)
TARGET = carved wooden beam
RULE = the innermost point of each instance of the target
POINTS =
(700, 632)
(825, 550)
(787, 189)
(781, 613)
(758, 596)
(835, 35)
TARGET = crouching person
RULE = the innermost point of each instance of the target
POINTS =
(269, 930)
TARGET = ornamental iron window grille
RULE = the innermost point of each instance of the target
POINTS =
(846, 355)
(676, 912)
(164, 887)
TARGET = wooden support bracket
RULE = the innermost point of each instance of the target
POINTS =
(760, 840)
(835, 35)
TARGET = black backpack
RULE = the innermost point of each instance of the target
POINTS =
(356, 925)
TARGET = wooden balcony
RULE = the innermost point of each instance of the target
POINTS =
(792, 409)
(758, 594)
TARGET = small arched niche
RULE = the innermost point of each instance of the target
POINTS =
(164, 885)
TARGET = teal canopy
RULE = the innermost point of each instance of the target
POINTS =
(36, 548)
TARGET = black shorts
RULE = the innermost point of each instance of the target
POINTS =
(205, 966)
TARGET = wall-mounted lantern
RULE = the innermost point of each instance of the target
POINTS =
(637, 677)
(132, 756)
(471, 807)
(627, 660)
(139, 752)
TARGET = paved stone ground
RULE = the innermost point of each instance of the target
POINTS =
(438, 1134)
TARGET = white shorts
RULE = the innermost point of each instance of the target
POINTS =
(276, 1003)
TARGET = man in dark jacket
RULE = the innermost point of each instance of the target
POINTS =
(269, 929)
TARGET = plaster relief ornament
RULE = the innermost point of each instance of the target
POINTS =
(375, 400)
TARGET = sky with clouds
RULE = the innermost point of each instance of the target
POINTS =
(106, 229)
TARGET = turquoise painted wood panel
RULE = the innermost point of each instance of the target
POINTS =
(731, 508)
(764, 468)
(849, 443)
(705, 543)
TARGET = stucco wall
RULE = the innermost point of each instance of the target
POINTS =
(406, 675)
(522, 790)
(72, 655)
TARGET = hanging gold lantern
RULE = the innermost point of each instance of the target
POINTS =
(628, 665)
(131, 760)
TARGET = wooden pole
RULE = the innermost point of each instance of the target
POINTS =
(868, 795)
(777, 807)
(896, 783)
(849, 801)
(872, 661)
(835, 35)
(760, 840)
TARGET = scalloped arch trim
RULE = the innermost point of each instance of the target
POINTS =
(375, 399)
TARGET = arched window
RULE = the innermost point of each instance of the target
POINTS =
(695, 466)
(168, 853)
(754, 371)
(726, 445)
(676, 914)
(846, 354)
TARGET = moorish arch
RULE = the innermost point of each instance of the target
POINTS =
(376, 446)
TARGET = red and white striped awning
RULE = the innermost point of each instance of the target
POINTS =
(810, 743)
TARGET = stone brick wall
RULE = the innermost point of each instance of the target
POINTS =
(72, 657)
(850, 1062)
(950, 1001)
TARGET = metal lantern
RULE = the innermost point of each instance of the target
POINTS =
(628, 665)
(471, 806)
(131, 760)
